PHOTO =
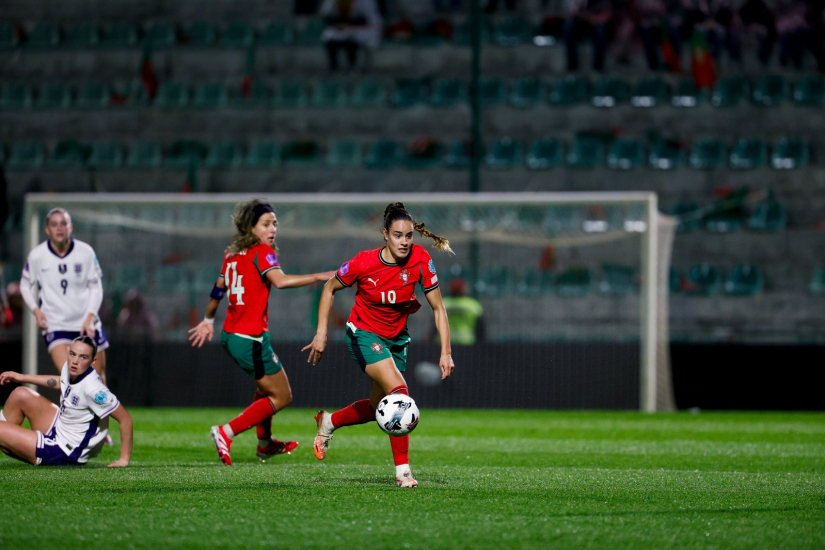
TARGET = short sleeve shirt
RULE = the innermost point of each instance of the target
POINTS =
(247, 289)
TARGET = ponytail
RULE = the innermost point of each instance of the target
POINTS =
(396, 211)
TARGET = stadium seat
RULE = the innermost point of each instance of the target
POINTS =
(198, 34)
(544, 154)
(54, 95)
(771, 90)
(625, 154)
(609, 92)
(617, 280)
(129, 276)
(768, 215)
(384, 154)
(744, 280)
(574, 282)
(344, 153)
(93, 95)
(723, 221)
(707, 154)
(301, 153)
(259, 95)
(81, 36)
(408, 92)
(119, 35)
(310, 35)
(650, 92)
(161, 35)
(183, 153)
(568, 91)
(368, 93)
(9, 36)
(817, 284)
(665, 155)
(328, 93)
(458, 155)
(290, 94)
(494, 281)
(172, 95)
(504, 154)
(703, 280)
(810, 91)
(730, 91)
(43, 35)
(463, 35)
(527, 93)
(25, 155)
(171, 279)
(68, 154)
(423, 153)
(448, 92)
(748, 154)
(15, 96)
(210, 95)
(686, 94)
(512, 31)
(534, 282)
(586, 152)
(277, 33)
(224, 155)
(491, 92)
(688, 214)
(144, 155)
(262, 154)
(105, 155)
(789, 154)
(238, 34)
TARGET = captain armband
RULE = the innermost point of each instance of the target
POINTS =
(217, 293)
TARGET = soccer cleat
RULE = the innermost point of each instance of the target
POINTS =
(322, 439)
(109, 441)
(222, 444)
(276, 448)
(406, 480)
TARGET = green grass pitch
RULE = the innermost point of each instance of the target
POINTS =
(489, 479)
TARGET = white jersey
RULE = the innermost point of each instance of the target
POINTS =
(64, 283)
(82, 422)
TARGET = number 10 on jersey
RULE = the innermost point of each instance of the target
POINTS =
(389, 298)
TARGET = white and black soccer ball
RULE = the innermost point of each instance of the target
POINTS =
(397, 414)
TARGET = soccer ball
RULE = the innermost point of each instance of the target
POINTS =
(397, 414)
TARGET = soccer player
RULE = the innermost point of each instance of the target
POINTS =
(74, 433)
(377, 335)
(68, 276)
(250, 268)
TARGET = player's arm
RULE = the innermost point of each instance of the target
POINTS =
(319, 342)
(92, 307)
(443, 328)
(44, 381)
(279, 279)
(206, 329)
(124, 419)
(27, 293)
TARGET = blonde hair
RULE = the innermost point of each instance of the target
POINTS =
(395, 211)
(245, 217)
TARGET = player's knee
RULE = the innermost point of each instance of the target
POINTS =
(20, 396)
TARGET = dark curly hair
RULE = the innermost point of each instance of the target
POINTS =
(396, 211)
(245, 217)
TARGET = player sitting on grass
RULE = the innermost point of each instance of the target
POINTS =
(74, 433)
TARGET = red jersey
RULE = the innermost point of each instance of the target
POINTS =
(244, 276)
(385, 295)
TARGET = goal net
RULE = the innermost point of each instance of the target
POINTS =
(572, 289)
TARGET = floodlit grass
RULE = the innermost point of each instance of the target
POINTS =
(489, 479)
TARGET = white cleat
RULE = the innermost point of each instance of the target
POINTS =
(406, 480)
(324, 436)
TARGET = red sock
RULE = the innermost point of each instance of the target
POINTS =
(359, 412)
(254, 414)
(400, 445)
(264, 428)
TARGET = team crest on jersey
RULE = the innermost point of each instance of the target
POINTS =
(75, 400)
(101, 397)
(78, 268)
(405, 276)
(275, 359)
(344, 268)
(431, 267)
(62, 269)
(271, 259)
(376, 347)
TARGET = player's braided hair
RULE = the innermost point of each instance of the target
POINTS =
(245, 217)
(85, 339)
(395, 211)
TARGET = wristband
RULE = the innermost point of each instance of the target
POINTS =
(210, 321)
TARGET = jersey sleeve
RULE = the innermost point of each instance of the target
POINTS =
(29, 275)
(429, 278)
(101, 400)
(95, 273)
(347, 274)
(266, 260)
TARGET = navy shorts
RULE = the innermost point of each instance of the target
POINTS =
(49, 453)
(66, 336)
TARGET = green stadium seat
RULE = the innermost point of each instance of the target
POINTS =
(9, 36)
(512, 31)
(172, 95)
(448, 92)
(723, 221)
(408, 92)
(586, 152)
(617, 280)
(25, 155)
(259, 95)
(462, 34)
(686, 94)
(43, 35)
(15, 96)
(262, 154)
(817, 284)
(81, 36)
(161, 35)
(210, 95)
(771, 90)
(494, 281)
(504, 154)
(574, 282)
(730, 91)
(128, 276)
(171, 279)
(544, 154)
(68, 154)
(276, 34)
(238, 34)
(310, 35)
(183, 153)
(703, 280)
(93, 95)
(301, 153)
(423, 153)
(290, 94)
(665, 155)
(674, 281)
(650, 92)
(744, 280)
(119, 35)
(534, 282)
(768, 215)
(527, 93)
(810, 91)
(198, 34)
(329, 93)
(384, 154)
(368, 93)
(609, 92)
(688, 214)
(458, 155)
(344, 153)
(105, 155)
(224, 155)
(144, 155)
(491, 92)
(54, 95)
(707, 154)
(748, 154)
(625, 154)
(789, 154)
(568, 91)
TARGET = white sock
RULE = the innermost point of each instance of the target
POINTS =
(228, 431)
(2, 418)
(326, 424)
(402, 469)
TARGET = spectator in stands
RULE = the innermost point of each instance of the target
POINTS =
(799, 24)
(719, 22)
(351, 24)
(659, 23)
(759, 21)
(587, 18)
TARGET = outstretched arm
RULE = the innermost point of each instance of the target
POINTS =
(443, 328)
(125, 420)
(279, 279)
(44, 381)
(206, 329)
(319, 343)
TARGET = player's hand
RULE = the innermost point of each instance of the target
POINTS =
(40, 318)
(88, 328)
(201, 333)
(120, 463)
(325, 276)
(10, 376)
(316, 349)
(447, 365)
